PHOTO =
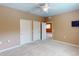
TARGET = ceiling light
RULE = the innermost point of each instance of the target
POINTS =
(45, 9)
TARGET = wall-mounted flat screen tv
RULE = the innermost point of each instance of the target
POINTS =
(75, 23)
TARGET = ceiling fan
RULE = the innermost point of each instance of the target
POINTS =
(42, 7)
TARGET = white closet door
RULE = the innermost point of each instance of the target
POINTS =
(25, 31)
(43, 31)
(36, 31)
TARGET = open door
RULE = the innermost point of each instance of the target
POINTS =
(43, 31)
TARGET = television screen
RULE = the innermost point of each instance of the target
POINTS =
(75, 23)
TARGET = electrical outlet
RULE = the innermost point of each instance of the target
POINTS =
(8, 41)
(0, 42)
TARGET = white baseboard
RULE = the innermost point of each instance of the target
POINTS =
(67, 43)
(3, 50)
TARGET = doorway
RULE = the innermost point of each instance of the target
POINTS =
(49, 30)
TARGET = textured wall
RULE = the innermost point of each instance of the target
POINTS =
(63, 30)
(10, 26)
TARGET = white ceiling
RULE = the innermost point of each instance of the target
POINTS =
(55, 8)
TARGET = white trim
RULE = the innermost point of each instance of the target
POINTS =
(37, 40)
(67, 43)
(3, 50)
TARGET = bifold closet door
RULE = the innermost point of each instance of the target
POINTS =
(36, 30)
(25, 31)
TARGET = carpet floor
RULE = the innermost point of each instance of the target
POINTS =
(43, 48)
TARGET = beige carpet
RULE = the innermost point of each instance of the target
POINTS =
(43, 48)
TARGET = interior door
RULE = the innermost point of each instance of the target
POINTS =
(36, 30)
(25, 31)
(43, 31)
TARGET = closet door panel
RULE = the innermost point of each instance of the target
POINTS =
(25, 31)
(36, 30)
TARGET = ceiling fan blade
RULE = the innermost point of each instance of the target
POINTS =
(36, 10)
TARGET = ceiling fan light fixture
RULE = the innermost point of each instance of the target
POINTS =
(45, 9)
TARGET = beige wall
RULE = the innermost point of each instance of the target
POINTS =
(63, 30)
(10, 26)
